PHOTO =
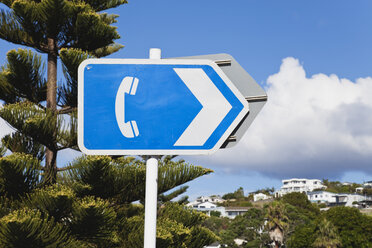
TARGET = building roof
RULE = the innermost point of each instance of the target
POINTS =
(237, 208)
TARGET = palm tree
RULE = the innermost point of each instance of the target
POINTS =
(327, 236)
(277, 222)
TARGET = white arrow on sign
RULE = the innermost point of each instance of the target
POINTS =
(215, 107)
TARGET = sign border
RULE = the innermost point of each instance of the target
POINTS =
(218, 144)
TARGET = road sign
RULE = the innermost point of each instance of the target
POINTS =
(155, 107)
(252, 92)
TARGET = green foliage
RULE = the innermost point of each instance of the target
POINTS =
(93, 221)
(200, 237)
(44, 126)
(298, 199)
(19, 174)
(162, 198)
(71, 59)
(16, 142)
(303, 236)
(71, 24)
(216, 224)
(215, 213)
(248, 227)
(2, 150)
(277, 221)
(187, 217)
(239, 193)
(266, 191)
(353, 227)
(22, 77)
(123, 179)
(55, 201)
(27, 228)
(367, 191)
(337, 187)
(176, 227)
(326, 235)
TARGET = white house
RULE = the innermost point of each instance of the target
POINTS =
(260, 197)
(334, 198)
(203, 205)
(232, 212)
(367, 184)
(359, 190)
(299, 185)
(211, 199)
(321, 196)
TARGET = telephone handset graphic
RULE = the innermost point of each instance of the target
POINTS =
(128, 86)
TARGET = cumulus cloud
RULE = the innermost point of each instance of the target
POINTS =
(312, 126)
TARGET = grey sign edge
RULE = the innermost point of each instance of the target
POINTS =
(248, 87)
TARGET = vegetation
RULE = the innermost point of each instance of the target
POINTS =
(293, 221)
(236, 199)
(338, 187)
(88, 202)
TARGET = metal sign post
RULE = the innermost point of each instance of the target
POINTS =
(151, 195)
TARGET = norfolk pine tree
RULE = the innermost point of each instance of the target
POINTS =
(56, 28)
(95, 193)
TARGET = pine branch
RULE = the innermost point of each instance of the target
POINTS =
(166, 198)
(28, 228)
(53, 201)
(43, 126)
(19, 174)
(67, 137)
(11, 30)
(71, 59)
(22, 78)
(107, 50)
(17, 142)
(173, 174)
(91, 24)
(99, 5)
(66, 110)
(3, 150)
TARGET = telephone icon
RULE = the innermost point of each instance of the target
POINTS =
(128, 86)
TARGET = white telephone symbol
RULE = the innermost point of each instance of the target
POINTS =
(128, 86)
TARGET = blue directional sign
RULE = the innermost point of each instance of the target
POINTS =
(155, 107)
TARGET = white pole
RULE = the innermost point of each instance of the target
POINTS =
(151, 202)
(155, 53)
(151, 196)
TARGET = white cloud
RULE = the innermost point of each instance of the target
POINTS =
(318, 126)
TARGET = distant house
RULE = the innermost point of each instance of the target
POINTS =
(346, 183)
(299, 185)
(211, 199)
(205, 205)
(367, 184)
(321, 196)
(359, 190)
(232, 212)
(260, 197)
(335, 198)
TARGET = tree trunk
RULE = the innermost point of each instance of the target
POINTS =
(51, 153)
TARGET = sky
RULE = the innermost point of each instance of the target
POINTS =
(314, 60)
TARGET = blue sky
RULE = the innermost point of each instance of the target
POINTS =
(314, 59)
